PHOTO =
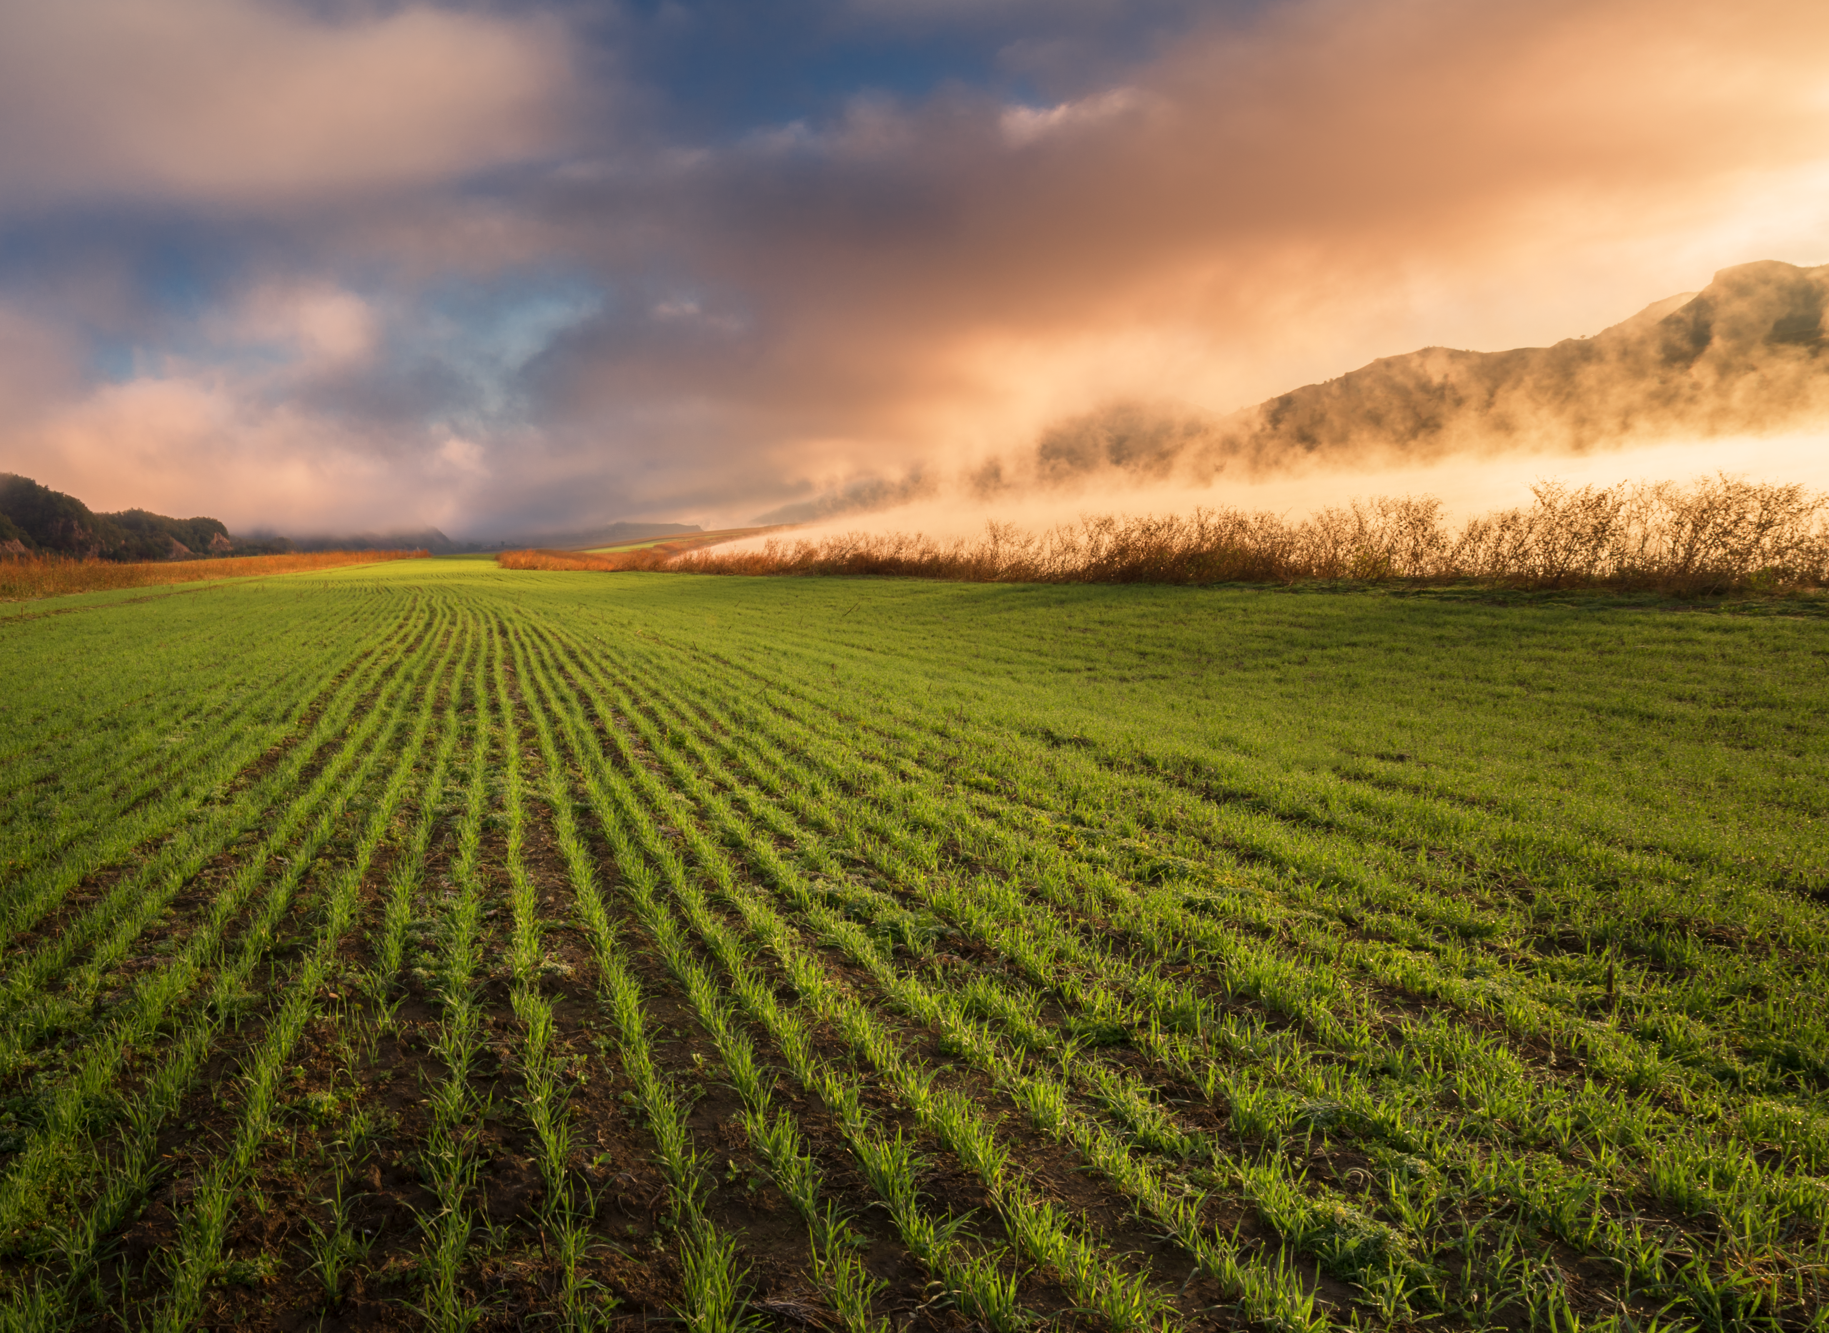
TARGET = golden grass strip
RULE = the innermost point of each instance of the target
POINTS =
(29, 576)
(649, 558)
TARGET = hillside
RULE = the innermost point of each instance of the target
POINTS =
(1743, 356)
(37, 519)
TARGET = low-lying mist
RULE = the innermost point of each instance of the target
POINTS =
(1736, 375)
(1466, 485)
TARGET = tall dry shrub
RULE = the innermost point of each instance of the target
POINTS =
(1565, 536)
(1724, 530)
(1717, 533)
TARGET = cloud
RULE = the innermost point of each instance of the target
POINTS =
(847, 304)
(1024, 125)
(463, 456)
(186, 445)
(934, 283)
(258, 102)
(322, 326)
(38, 369)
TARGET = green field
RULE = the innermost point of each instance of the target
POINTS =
(434, 946)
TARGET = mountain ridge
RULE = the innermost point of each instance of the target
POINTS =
(1745, 355)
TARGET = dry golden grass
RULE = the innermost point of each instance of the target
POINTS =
(1714, 535)
(644, 558)
(23, 577)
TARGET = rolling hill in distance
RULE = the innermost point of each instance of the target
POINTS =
(36, 520)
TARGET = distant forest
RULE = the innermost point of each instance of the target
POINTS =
(36, 520)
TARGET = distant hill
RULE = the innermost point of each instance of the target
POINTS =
(35, 518)
(1747, 354)
(610, 534)
(431, 539)
(424, 539)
